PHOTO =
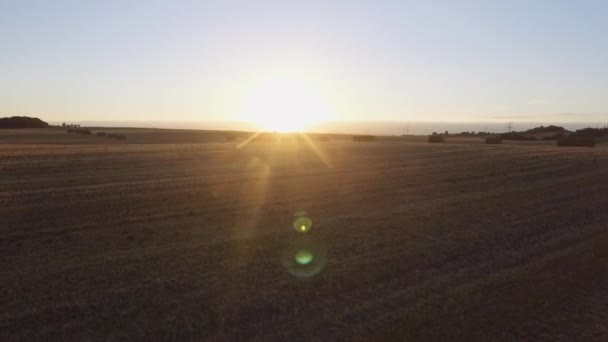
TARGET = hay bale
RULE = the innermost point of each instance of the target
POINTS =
(436, 139)
(116, 136)
(361, 138)
(576, 141)
(494, 140)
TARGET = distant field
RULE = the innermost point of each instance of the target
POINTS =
(180, 235)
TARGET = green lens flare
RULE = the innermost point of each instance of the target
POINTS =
(304, 257)
(302, 224)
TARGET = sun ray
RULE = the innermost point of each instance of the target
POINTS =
(248, 140)
(322, 156)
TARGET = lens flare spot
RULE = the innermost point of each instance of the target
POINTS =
(302, 224)
(304, 257)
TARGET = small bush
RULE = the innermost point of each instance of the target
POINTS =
(101, 134)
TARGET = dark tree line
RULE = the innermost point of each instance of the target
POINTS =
(548, 129)
(22, 122)
(592, 132)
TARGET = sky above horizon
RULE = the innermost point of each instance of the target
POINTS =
(541, 61)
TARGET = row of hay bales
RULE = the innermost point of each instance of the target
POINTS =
(565, 141)
(440, 139)
(495, 140)
(561, 141)
(80, 131)
(99, 134)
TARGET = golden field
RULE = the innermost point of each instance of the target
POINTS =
(181, 235)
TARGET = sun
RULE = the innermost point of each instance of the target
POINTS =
(285, 105)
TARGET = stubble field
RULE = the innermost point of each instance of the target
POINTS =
(181, 235)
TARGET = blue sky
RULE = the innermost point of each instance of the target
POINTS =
(541, 61)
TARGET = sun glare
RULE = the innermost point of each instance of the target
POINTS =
(285, 105)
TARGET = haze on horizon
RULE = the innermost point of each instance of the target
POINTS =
(269, 62)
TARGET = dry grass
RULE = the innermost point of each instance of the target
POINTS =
(102, 240)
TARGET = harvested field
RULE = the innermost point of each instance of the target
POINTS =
(436, 139)
(116, 136)
(180, 235)
(361, 138)
(494, 140)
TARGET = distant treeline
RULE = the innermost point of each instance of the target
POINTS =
(517, 136)
(541, 133)
(469, 134)
(22, 122)
(592, 132)
(548, 129)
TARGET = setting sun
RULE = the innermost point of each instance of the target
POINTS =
(285, 105)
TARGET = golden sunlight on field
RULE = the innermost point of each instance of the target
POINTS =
(178, 235)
